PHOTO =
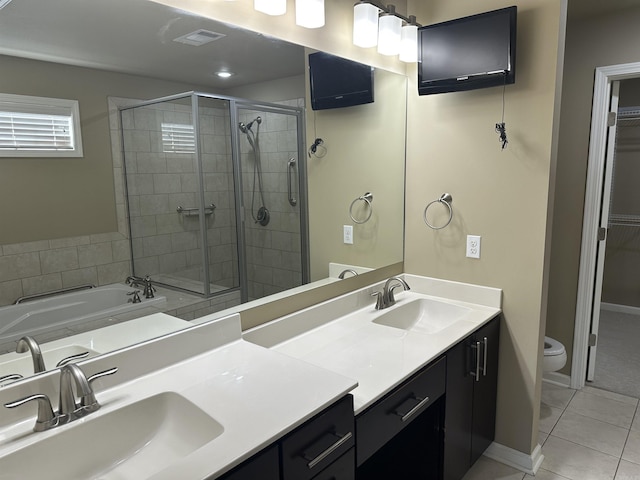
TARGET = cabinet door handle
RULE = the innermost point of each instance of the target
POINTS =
(484, 362)
(476, 374)
(341, 441)
(421, 403)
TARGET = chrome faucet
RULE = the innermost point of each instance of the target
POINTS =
(68, 408)
(28, 344)
(348, 270)
(70, 374)
(142, 282)
(385, 298)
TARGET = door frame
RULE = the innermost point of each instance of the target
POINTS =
(604, 78)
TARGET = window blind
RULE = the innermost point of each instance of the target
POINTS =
(178, 138)
(32, 131)
(39, 127)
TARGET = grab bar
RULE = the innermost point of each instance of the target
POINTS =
(188, 211)
(291, 166)
(37, 296)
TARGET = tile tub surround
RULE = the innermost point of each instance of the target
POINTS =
(339, 334)
(586, 434)
(196, 363)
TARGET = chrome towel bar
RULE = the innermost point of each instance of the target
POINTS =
(188, 211)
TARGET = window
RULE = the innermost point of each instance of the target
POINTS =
(39, 127)
(178, 138)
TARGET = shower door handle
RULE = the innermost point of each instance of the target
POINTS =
(291, 171)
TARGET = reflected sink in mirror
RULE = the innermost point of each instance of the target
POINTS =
(422, 315)
(133, 442)
(23, 365)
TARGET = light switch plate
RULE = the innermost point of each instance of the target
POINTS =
(347, 233)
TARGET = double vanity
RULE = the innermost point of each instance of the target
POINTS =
(339, 390)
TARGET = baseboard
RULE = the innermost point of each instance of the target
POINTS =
(556, 378)
(614, 307)
(515, 458)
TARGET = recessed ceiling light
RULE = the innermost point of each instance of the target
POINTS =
(224, 74)
(199, 37)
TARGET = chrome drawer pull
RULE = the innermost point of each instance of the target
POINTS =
(414, 410)
(341, 441)
(476, 374)
(486, 347)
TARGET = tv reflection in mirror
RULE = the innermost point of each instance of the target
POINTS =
(468, 53)
(337, 82)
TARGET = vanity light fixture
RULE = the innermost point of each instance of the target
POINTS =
(376, 24)
(271, 7)
(310, 13)
(389, 32)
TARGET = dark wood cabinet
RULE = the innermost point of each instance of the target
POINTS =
(323, 448)
(264, 465)
(401, 435)
(472, 379)
(319, 442)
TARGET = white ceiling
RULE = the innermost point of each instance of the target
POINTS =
(136, 36)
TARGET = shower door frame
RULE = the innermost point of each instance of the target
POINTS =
(298, 113)
(234, 104)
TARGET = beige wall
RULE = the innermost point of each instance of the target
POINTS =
(367, 158)
(452, 146)
(606, 39)
(48, 198)
(500, 195)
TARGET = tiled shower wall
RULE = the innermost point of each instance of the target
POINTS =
(167, 244)
(273, 251)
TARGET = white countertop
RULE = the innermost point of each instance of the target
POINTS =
(257, 395)
(377, 356)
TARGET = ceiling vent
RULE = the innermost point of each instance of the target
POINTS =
(199, 37)
(4, 3)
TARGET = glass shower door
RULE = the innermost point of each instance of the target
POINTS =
(272, 201)
(162, 181)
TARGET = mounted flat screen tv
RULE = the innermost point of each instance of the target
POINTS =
(337, 82)
(468, 53)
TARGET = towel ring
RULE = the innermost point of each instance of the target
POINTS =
(445, 198)
(366, 198)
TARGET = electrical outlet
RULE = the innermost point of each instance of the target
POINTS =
(347, 234)
(473, 246)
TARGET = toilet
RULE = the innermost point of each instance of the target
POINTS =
(555, 356)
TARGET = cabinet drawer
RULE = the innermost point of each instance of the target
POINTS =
(319, 442)
(342, 469)
(381, 422)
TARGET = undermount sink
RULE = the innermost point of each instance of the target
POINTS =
(22, 363)
(131, 443)
(422, 315)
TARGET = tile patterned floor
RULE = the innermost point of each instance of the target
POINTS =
(589, 434)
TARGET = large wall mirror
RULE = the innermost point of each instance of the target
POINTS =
(120, 52)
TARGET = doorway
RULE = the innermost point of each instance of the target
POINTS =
(607, 312)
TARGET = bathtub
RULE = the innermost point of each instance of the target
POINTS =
(67, 309)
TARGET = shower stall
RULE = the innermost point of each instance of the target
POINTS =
(216, 194)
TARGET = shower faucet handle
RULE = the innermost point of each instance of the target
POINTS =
(136, 296)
